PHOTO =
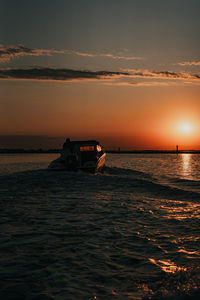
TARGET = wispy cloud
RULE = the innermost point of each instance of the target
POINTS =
(139, 84)
(189, 63)
(161, 74)
(9, 52)
(108, 55)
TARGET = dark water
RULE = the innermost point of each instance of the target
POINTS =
(131, 232)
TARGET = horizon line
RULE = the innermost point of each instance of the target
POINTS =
(58, 150)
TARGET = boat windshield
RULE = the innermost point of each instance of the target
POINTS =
(87, 148)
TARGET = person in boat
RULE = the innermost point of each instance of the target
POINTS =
(68, 156)
(67, 145)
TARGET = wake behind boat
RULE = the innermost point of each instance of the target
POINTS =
(80, 155)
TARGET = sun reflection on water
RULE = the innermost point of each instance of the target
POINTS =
(181, 210)
(167, 265)
(197, 253)
(186, 164)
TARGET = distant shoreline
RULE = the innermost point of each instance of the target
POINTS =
(155, 151)
(54, 151)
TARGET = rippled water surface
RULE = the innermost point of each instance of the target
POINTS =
(129, 232)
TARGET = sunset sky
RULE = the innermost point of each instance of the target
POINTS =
(125, 72)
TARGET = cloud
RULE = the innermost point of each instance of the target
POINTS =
(109, 55)
(189, 63)
(139, 84)
(161, 74)
(124, 77)
(9, 52)
(57, 74)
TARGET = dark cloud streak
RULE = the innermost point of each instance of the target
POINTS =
(56, 74)
(123, 77)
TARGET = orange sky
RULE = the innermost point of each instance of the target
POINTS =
(130, 118)
(126, 73)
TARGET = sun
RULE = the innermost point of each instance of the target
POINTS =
(186, 128)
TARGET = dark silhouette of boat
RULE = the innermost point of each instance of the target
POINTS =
(80, 155)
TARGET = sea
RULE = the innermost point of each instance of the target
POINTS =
(131, 231)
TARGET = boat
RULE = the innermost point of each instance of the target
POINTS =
(80, 155)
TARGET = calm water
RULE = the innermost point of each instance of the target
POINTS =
(130, 232)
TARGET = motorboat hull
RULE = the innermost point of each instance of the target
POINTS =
(91, 166)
